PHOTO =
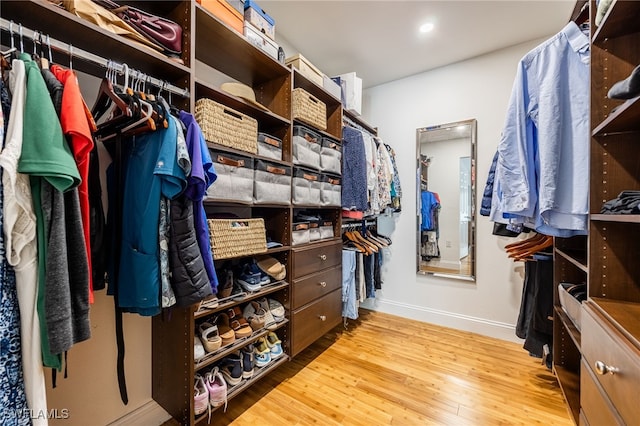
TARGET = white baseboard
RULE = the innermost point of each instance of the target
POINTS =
(148, 414)
(497, 329)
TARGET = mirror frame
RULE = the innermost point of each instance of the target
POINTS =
(472, 237)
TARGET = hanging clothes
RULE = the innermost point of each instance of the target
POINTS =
(396, 188)
(349, 298)
(21, 244)
(12, 388)
(354, 170)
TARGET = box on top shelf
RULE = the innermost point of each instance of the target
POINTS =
(260, 19)
(237, 5)
(351, 86)
(226, 12)
(306, 68)
(258, 39)
(332, 87)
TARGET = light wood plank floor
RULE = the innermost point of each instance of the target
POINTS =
(387, 370)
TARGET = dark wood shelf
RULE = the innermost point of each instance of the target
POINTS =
(625, 119)
(359, 121)
(569, 326)
(299, 80)
(231, 301)
(622, 18)
(620, 218)
(570, 385)
(575, 257)
(322, 132)
(314, 243)
(623, 315)
(228, 51)
(265, 118)
(68, 28)
(278, 249)
(313, 207)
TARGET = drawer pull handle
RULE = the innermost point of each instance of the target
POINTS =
(602, 368)
(323, 283)
(322, 317)
(322, 256)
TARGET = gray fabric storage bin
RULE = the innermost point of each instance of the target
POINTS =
(331, 156)
(314, 231)
(326, 229)
(305, 187)
(272, 183)
(330, 191)
(300, 233)
(306, 147)
(269, 146)
(235, 178)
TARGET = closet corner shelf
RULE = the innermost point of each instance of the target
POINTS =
(570, 385)
(228, 51)
(66, 27)
(622, 315)
(619, 218)
(569, 326)
(265, 118)
(625, 119)
(301, 81)
(622, 18)
(358, 120)
(576, 257)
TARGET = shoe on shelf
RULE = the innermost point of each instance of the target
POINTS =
(225, 331)
(226, 283)
(217, 388)
(210, 302)
(275, 345)
(269, 321)
(261, 352)
(247, 361)
(254, 269)
(277, 310)
(210, 337)
(198, 349)
(231, 368)
(256, 315)
(238, 323)
(248, 281)
(200, 397)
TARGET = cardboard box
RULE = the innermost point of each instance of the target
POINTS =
(306, 68)
(225, 12)
(261, 41)
(259, 19)
(351, 86)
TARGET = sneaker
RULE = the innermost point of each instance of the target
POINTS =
(231, 368)
(198, 349)
(201, 396)
(217, 388)
(255, 314)
(269, 321)
(250, 282)
(277, 310)
(261, 352)
(275, 345)
(254, 269)
(247, 361)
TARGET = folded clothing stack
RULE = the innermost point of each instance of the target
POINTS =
(627, 202)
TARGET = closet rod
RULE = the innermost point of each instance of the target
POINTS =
(349, 122)
(74, 52)
(359, 223)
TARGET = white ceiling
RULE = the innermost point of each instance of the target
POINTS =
(380, 39)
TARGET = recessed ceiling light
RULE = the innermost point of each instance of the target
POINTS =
(425, 28)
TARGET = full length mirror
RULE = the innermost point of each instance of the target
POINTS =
(446, 199)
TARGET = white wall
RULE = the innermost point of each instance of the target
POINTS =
(478, 88)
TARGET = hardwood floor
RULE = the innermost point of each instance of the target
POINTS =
(387, 370)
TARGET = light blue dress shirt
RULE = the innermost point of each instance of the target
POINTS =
(544, 150)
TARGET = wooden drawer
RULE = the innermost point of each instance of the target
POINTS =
(309, 323)
(595, 406)
(314, 286)
(312, 259)
(601, 342)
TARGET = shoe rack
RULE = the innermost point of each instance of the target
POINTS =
(597, 358)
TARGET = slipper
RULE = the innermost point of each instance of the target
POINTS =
(272, 267)
(210, 337)
(256, 315)
(224, 329)
(238, 323)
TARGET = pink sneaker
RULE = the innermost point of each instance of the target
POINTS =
(217, 388)
(201, 396)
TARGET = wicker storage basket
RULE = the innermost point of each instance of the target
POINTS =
(237, 237)
(309, 109)
(226, 126)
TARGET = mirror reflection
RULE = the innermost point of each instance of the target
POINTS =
(446, 199)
